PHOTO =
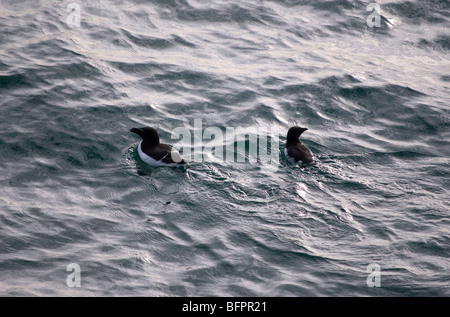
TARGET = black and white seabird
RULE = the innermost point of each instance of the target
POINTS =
(295, 151)
(154, 153)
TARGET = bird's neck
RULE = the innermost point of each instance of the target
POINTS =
(149, 143)
(295, 141)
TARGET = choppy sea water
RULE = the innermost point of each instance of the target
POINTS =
(74, 191)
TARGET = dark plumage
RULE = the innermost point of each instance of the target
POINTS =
(295, 151)
(154, 153)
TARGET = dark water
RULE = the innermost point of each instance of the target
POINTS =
(73, 189)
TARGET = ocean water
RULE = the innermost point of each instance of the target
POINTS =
(81, 215)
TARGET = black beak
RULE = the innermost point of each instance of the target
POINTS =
(137, 131)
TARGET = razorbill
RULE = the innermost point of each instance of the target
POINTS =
(295, 151)
(154, 153)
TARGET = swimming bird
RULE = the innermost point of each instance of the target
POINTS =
(295, 151)
(154, 153)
